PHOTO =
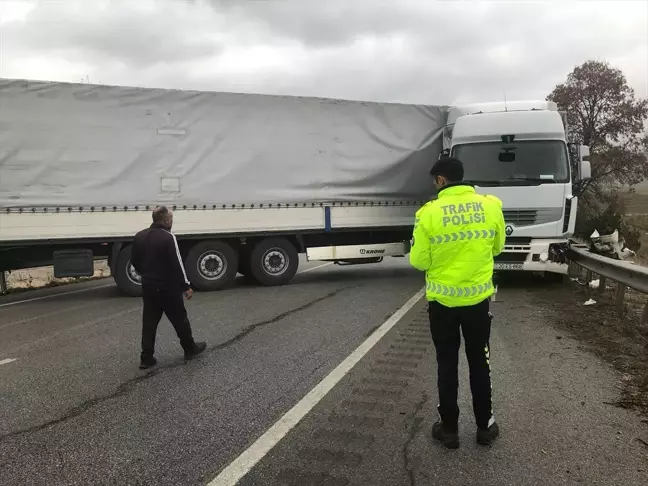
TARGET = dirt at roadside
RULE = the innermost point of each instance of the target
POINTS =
(37, 278)
(616, 336)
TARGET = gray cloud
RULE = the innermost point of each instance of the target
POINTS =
(133, 36)
(411, 51)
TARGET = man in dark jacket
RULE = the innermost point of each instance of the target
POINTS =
(156, 257)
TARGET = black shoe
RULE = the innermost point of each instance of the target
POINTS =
(487, 436)
(197, 349)
(448, 438)
(146, 363)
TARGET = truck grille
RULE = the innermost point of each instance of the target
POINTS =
(521, 217)
(528, 217)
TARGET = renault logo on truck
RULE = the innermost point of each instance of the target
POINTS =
(509, 230)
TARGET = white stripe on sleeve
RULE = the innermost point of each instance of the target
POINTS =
(175, 242)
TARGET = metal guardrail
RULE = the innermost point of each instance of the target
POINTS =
(627, 275)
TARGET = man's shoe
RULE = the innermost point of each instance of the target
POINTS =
(448, 438)
(197, 349)
(146, 363)
(487, 436)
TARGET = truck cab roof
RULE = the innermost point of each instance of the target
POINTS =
(525, 125)
(455, 112)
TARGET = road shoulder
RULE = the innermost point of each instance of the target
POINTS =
(552, 400)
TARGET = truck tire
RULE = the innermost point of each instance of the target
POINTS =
(274, 261)
(212, 265)
(125, 276)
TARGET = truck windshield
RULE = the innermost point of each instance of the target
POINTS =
(527, 162)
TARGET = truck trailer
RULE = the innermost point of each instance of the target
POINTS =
(256, 180)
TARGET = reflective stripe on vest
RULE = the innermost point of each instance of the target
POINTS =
(452, 291)
(462, 236)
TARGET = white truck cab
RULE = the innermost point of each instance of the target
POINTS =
(518, 151)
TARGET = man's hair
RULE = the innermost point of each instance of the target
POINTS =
(448, 167)
(160, 214)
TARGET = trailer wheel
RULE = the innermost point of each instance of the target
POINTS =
(274, 261)
(212, 265)
(126, 278)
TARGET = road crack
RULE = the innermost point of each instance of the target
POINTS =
(131, 384)
(414, 426)
(77, 410)
(252, 327)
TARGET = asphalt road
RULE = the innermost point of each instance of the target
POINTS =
(75, 409)
(552, 400)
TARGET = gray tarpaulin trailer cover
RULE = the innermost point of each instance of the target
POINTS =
(85, 145)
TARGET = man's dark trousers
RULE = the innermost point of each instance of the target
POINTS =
(158, 301)
(445, 324)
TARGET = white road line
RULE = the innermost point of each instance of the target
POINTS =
(6, 361)
(34, 299)
(314, 268)
(264, 444)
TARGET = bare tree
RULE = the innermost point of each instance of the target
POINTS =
(604, 114)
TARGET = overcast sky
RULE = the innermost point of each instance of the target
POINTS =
(385, 50)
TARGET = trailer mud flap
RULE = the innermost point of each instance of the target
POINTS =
(73, 263)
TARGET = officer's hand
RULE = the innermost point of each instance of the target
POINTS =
(188, 294)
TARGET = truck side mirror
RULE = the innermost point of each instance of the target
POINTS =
(585, 170)
(584, 165)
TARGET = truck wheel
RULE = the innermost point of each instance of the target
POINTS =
(126, 278)
(212, 265)
(274, 261)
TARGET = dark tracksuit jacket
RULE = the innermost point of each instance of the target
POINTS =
(156, 257)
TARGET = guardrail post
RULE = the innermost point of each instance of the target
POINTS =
(3, 283)
(602, 285)
(621, 290)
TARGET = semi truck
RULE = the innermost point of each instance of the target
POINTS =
(255, 180)
(519, 152)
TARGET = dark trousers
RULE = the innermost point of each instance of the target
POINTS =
(475, 323)
(171, 303)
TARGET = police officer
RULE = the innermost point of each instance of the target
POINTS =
(455, 239)
(156, 257)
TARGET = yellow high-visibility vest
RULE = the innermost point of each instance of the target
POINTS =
(455, 239)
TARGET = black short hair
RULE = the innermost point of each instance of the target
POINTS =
(160, 213)
(448, 167)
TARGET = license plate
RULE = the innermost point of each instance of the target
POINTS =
(509, 266)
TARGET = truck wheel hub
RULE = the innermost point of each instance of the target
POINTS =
(275, 262)
(132, 274)
(211, 265)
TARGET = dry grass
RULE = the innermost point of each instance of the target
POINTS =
(637, 210)
(613, 334)
(636, 204)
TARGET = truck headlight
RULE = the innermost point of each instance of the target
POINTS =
(544, 256)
